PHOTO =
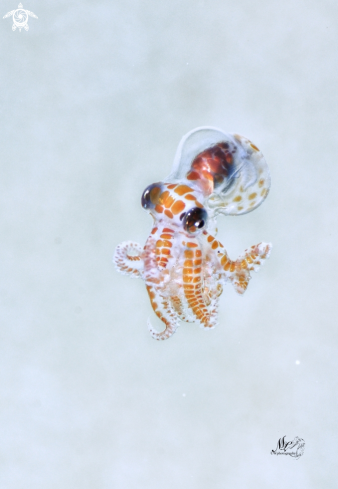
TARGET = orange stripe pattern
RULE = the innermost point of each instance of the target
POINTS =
(192, 283)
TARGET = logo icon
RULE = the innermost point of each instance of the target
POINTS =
(293, 448)
(20, 18)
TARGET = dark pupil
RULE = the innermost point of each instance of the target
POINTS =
(195, 219)
(145, 201)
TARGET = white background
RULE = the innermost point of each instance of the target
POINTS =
(94, 100)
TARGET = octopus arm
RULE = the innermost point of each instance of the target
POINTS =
(193, 286)
(156, 281)
(213, 285)
(163, 248)
(164, 312)
(180, 305)
(128, 259)
(239, 271)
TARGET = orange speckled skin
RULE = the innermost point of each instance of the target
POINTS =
(184, 267)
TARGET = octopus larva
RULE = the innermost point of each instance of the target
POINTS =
(182, 264)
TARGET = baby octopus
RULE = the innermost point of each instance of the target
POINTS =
(182, 264)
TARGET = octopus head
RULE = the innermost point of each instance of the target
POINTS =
(176, 205)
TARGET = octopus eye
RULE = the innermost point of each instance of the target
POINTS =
(150, 196)
(195, 219)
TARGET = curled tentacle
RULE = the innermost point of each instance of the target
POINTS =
(163, 311)
(128, 259)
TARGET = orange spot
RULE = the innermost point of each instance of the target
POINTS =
(192, 245)
(254, 147)
(214, 245)
(182, 189)
(165, 251)
(154, 231)
(198, 204)
(168, 230)
(167, 244)
(166, 236)
(198, 270)
(189, 197)
(252, 204)
(210, 238)
(198, 253)
(171, 186)
(169, 200)
(240, 208)
(198, 262)
(252, 196)
(159, 243)
(261, 182)
(158, 208)
(178, 207)
(237, 199)
(168, 214)
(188, 254)
(188, 263)
(264, 192)
(187, 271)
(163, 197)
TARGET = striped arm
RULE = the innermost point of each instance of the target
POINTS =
(239, 271)
(163, 248)
(192, 283)
(164, 312)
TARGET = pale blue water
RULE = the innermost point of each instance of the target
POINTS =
(95, 98)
